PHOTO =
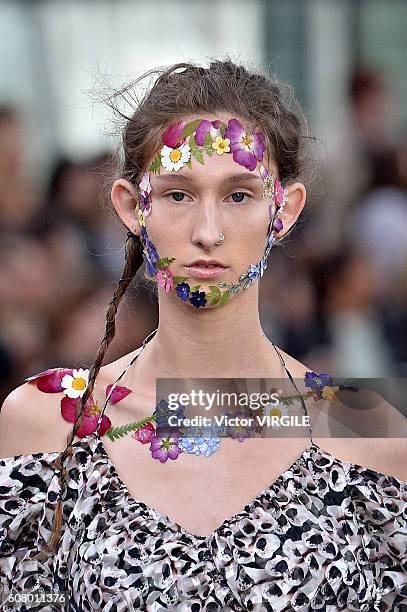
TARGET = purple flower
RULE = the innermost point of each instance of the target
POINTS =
(165, 448)
(317, 382)
(278, 225)
(203, 130)
(182, 290)
(247, 149)
(240, 432)
(150, 254)
(197, 299)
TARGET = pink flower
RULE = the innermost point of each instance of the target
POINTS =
(171, 136)
(144, 434)
(164, 279)
(90, 416)
(279, 193)
(203, 130)
(49, 381)
(118, 393)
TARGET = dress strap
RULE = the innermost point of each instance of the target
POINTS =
(304, 407)
(138, 351)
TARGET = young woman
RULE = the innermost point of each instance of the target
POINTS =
(117, 512)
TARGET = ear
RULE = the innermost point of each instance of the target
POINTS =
(125, 198)
(296, 198)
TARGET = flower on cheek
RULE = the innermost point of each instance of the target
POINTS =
(175, 158)
(247, 148)
(164, 279)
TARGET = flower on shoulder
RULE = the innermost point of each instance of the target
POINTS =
(75, 385)
(145, 434)
(239, 432)
(118, 393)
(90, 416)
(317, 382)
(49, 381)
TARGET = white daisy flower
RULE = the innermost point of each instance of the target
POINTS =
(277, 410)
(76, 384)
(174, 159)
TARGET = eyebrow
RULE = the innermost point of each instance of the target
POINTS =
(235, 178)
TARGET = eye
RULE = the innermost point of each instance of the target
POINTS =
(239, 197)
(178, 196)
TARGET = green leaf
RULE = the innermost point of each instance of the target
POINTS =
(155, 164)
(164, 262)
(222, 129)
(179, 279)
(214, 299)
(190, 128)
(114, 433)
(195, 288)
(208, 141)
(189, 163)
(225, 298)
(195, 150)
(214, 288)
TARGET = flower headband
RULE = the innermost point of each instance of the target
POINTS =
(183, 141)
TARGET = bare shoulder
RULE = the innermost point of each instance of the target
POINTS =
(31, 419)
(372, 433)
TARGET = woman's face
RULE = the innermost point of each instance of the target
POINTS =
(193, 205)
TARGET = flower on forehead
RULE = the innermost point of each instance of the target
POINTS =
(145, 434)
(171, 137)
(204, 128)
(90, 416)
(165, 448)
(164, 279)
(221, 145)
(182, 290)
(175, 158)
(145, 197)
(197, 299)
(75, 385)
(247, 148)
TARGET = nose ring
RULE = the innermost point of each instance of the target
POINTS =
(221, 238)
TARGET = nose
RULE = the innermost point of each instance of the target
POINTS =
(207, 225)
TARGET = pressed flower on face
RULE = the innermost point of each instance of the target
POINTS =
(247, 149)
(164, 279)
(174, 159)
(221, 145)
(75, 385)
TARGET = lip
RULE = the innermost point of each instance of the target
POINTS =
(199, 271)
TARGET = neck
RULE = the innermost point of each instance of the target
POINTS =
(218, 342)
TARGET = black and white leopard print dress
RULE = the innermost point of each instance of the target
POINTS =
(326, 535)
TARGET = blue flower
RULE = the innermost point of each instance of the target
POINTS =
(316, 382)
(197, 299)
(199, 446)
(182, 290)
(253, 272)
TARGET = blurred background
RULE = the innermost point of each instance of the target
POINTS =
(333, 297)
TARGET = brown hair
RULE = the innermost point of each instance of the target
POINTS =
(179, 91)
